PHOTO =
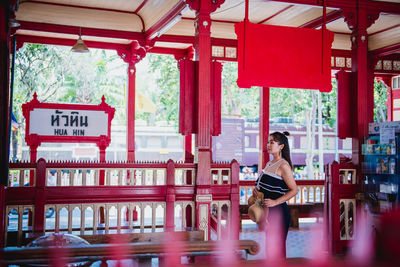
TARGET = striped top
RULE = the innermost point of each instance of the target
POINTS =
(271, 184)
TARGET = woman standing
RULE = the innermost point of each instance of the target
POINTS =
(276, 181)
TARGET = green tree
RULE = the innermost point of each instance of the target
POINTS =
(166, 98)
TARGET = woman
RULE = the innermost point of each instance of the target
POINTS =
(276, 181)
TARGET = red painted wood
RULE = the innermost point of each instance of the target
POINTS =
(187, 97)
(362, 67)
(40, 196)
(386, 7)
(55, 28)
(346, 106)
(330, 17)
(130, 116)
(2, 213)
(387, 50)
(67, 42)
(188, 154)
(279, 52)
(5, 48)
(336, 192)
(263, 127)
(170, 198)
(276, 14)
(169, 16)
(235, 201)
(216, 72)
(384, 30)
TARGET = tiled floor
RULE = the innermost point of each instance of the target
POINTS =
(297, 243)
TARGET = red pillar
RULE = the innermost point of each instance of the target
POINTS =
(263, 127)
(132, 56)
(203, 10)
(4, 144)
(130, 112)
(4, 92)
(359, 21)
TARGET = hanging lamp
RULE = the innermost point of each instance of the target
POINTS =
(80, 46)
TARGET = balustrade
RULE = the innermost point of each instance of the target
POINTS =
(99, 198)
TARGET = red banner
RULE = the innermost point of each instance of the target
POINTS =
(278, 56)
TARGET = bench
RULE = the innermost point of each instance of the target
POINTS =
(305, 210)
(91, 253)
(142, 246)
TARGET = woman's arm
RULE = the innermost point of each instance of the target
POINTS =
(287, 175)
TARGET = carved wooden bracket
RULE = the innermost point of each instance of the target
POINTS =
(134, 55)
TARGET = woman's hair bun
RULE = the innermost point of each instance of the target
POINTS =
(286, 133)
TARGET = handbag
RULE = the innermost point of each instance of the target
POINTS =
(256, 207)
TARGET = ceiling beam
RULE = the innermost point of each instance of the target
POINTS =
(385, 7)
(94, 8)
(64, 29)
(387, 50)
(330, 17)
(276, 14)
(166, 19)
(21, 38)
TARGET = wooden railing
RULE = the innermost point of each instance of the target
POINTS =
(98, 198)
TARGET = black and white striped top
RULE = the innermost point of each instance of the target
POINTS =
(271, 184)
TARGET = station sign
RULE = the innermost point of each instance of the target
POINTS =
(67, 123)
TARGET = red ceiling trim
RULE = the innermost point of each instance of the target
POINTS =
(63, 29)
(168, 51)
(176, 39)
(276, 14)
(387, 50)
(141, 6)
(170, 15)
(213, 20)
(21, 38)
(330, 17)
(385, 7)
(91, 8)
(387, 29)
(68, 42)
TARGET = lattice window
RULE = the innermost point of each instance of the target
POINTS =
(348, 62)
(230, 52)
(387, 65)
(218, 51)
(378, 65)
(340, 62)
(396, 65)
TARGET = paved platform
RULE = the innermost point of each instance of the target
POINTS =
(297, 243)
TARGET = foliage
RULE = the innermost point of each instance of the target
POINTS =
(235, 100)
(58, 75)
(166, 97)
(380, 98)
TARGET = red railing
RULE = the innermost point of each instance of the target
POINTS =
(132, 192)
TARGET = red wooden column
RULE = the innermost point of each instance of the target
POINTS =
(203, 10)
(132, 56)
(4, 72)
(4, 92)
(359, 21)
(263, 127)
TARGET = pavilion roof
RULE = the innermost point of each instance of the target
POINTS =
(110, 24)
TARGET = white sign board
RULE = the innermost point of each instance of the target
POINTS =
(68, 122)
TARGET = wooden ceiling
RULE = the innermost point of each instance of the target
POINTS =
(121, 21)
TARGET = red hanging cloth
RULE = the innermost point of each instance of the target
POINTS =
(279, 56)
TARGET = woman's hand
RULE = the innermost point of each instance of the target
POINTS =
(270, 203)
(255, 192)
